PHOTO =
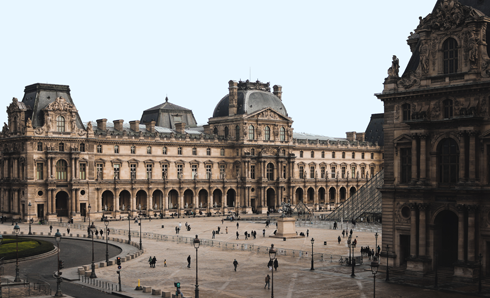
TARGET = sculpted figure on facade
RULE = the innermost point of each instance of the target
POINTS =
(29, 123)
(409, 81)
(424, 57)
(394, 69)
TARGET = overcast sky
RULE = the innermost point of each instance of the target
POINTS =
(122, 57)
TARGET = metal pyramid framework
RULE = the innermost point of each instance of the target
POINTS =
(365, 202)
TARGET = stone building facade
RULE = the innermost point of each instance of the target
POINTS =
(246, 159)
(437, 144)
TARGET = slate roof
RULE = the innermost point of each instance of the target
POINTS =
(142, 127)
(374, 131)
(249, 102)
(164, 115)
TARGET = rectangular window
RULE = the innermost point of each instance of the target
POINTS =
(301, 172)
(100, 171)
(133, 171)
(362, 155)
(238, 152)
(343, 154)
(333, 154)
(82, 147)
(39, 146)
(40, 171)
(353, 155)
(343, 172)
(332, 169)
(372, 172)
(208, 172)
(322, 169)
(164, 171)
(149, 168)
(406, 165)
(372, 155)
(252, 172)
(363, 172)
(116, 171)
(284, 172)
(179, 171)
(99, 148)
(222, 171)
(312, 172)
(194, 171)
(353, 171)
(222, 152)
(83, 171)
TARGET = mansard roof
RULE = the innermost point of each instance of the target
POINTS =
(168, 114)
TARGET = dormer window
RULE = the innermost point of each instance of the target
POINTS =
(450, 50)
(251, 133)
(60, 123)
(267, 133)
(448, 108)
(282, 134)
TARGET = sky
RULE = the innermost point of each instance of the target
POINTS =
(122, 57)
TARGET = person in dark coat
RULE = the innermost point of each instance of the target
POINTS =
(235, 264)
(339, 239)
(246, 235)
(237, 235)
(96, 233)
(101, 232)
(276, 264)
(189, 261)
(154, 261)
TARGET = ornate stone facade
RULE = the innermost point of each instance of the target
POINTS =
(246, 159)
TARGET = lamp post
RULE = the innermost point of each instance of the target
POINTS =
(92, 231)
(348, 245)
(374, 270)
(312, 266)
(376, 247)
(197, 242)
(272, 258)
(140, 222)
(17, 231)
(89, 207)
(387, 263)
(129, 221)
(29, 212)
(106, 223)
(57, 237)
(480, 273)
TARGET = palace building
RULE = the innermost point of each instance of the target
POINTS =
(437, 144)
(245, 159)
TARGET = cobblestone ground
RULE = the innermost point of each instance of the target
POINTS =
(217, 277)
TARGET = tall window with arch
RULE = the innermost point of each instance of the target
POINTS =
(194, 151)
(237, 133)
(448, 161)
(164, 151)
(39, 146)
(251, 133)
(448, 108)
(116, 149)
(215, 131)
(450, 58)
(82, 147)
(267, 133)
(270, 172)
(60, 123)
(179, 151)
(282, 134)
(227, 132)
(61, 170)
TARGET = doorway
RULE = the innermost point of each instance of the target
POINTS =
(446, 238)
(62, 204)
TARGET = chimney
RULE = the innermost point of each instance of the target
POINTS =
(360, 136)
(134, 125)
(278, 91)
(118, 125)
(207, 131)
(180, 128)
(101, 124)
(150, 126)
(233, 98)
(351, 136)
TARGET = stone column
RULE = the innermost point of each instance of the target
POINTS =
(413, 230)
(462, 151)
(472, 154)
(471, 233)
(423, 158)
(72, 169)
(77, 203)
(460, 233)
(72, 201)
(414, 159)
(49, 167)
(53, 203)
(116, 200)
(422, 230)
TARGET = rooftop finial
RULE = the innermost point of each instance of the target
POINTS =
(166, 98)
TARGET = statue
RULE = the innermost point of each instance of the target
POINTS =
(89, 127)
(186, 205)
(139, 206)
(171, 206)
(122, 208)
(394, 69)
(286, 209)
(29, 123)
(201, 205)
(105, 207)
(73, 125)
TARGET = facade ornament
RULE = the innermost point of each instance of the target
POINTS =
(449, 15)
(39, 130)
(436, 110)
(424, 57)
(409, 81)
(29, 123)
(433, 51)
(394, 69)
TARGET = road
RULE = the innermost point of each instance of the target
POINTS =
(74, 253)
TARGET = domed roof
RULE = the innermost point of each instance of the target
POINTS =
(252, 97)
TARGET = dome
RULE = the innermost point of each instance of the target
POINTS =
(252, 97)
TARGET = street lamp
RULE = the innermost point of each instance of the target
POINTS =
(376, 247)
(353, 261)
(387, 263)
(129, 221)
(349, 242)
(57, 237)
(106, 223)
(92, 230)
(272, 258)
(312, 241)
(17, 231)
(1, 239)
(89, 207)
(374, 270)
(139, 222)
(197, 242)
(29, 212)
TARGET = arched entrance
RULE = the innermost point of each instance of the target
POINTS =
(157, 199)
(331, 194)
(203, 198)
(230, 198)
(352, 191)
(62, 204)
(343, 194)
(321, 195)
(311, 195)
(107, 201)
(446, 238)
(188, 199)
(299, 195)
(124, 200)
(271, 195)
(217, 196)
(141, 202)
(173, 199)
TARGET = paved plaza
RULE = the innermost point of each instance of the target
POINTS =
(217, 277)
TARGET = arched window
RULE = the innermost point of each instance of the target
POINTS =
(252, 152)
(251, 133)
(60, 123)
(237, 132)
(148, 150)
(116, 149)
(282, 134)
(208, 151)
(179, 151)
(267, 133)
(227, 133)
(215, 130)
(450, 49)
(61, 169)
(448, 159)
(270, 172)
(39, 146)
(448, 108)
(406, 112)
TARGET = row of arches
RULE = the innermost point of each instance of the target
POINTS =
(334, 197)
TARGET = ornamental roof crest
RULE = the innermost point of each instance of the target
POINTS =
(60, 104)
(449, 15)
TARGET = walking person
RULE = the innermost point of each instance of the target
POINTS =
(235, 264)
(101, 232)
(222, 221)
(189, 261)
(50, 229)
(226, 229)
(307, 232)
(214, 233)
(237, 235)
(263, 232)
(68, 231)
(343, 234)
(150, 260)
(276, 264)
(267, 282)
(237, 225)
(154, 261)
(96, 233)
(246, 234)
(165, 263)
(339, 239)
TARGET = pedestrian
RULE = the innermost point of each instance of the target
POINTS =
(180, 225)
(176, 230)
(307, 232)
(222, 221)
(339, 239)
(246, 235)
(165, 263)
(343, 233)
(267, 282)
(96, 233)
(263, 232)
(255, 234)
(50, 229)
(226, 229)
(219, 230)
(189, 261)
(68, 231)
(154, 261)
(150, 260)
(237, 225)
(351, 232)
(235, 264)
(379, 249)
(276, 264)
(237, 235)
(214, 233)
(101, 232)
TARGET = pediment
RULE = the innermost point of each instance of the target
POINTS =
(267, 114)
(403, 139)
(60, 104)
